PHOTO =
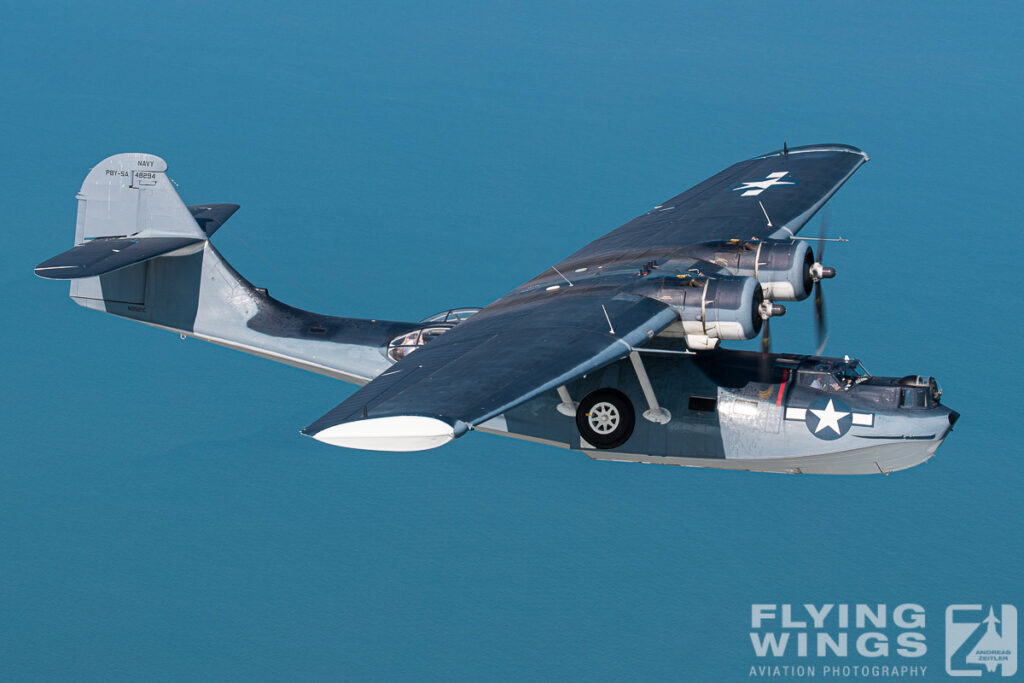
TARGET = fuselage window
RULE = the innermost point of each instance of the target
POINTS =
(703, 404)
(431, 334)
(403, 345)
(454, 315)
(459, 314)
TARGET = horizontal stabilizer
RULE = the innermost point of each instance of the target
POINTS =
(107, 254)
(212, 216)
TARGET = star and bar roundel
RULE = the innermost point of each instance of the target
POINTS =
(752, 188)
(829, 418)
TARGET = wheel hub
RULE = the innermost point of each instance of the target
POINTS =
(603, 418)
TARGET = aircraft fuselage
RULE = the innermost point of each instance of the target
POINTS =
(813, 415)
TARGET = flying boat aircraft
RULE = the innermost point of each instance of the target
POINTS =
(614, 351)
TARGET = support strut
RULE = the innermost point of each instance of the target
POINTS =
(655, 413)
(567, 406)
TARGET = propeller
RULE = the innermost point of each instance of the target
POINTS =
(766, 350)
(768, 310)
(819, 273)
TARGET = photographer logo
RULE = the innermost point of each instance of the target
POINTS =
(981, 640)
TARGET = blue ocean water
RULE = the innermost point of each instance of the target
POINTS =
(164, 520)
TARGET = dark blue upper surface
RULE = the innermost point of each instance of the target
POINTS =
(107, 254)
(720, 208)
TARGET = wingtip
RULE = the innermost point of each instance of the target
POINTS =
(820, 147)
(398, 433)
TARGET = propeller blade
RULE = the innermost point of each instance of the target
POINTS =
(823, 235)
(820, 323)
(766, 349)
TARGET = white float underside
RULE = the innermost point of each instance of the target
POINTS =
(398, 433)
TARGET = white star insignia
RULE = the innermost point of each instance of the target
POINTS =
(752, 188)
(829, 417)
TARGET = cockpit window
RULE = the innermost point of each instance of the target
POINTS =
(852, 372)
(832, 375)
(822, 381)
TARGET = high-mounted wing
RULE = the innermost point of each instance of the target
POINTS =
(773, 195)
(548, 332)
(499, 358)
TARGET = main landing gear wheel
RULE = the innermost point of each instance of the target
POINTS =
(605, 418)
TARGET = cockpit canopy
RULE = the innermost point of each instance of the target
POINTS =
(831, 375)
(919, 392)
(433, 327)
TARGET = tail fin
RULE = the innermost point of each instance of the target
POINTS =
(130, 195)
(128, 213)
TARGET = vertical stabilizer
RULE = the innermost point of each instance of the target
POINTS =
(131, 195)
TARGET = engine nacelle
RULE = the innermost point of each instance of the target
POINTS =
(783, 267)
(712, 308)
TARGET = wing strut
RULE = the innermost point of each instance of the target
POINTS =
(568, 406)
(655, 413)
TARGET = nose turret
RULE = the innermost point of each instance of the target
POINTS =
(921, 386)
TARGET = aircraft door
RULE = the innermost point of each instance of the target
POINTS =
(757, 412)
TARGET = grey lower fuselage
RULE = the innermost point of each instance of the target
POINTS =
(200, 295)
(723, 416)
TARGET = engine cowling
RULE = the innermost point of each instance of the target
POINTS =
(713, 308)
(783, 267)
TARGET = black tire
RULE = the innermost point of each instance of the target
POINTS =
(605, 418)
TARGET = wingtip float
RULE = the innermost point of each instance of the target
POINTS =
(397, 433)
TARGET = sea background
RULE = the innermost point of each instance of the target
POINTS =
(162, 518)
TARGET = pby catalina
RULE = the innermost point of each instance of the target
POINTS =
(614, 351)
